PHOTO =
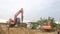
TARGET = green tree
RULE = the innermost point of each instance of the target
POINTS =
(34, 26)
(44, 21)
(58, 26)
(39, 22)
(53, 24)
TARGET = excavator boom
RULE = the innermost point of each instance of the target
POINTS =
(15, 17)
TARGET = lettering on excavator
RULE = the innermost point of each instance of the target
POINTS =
(17, 20)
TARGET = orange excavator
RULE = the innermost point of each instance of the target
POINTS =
(14, 22)
(47, 27)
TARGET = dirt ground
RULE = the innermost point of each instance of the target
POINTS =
(22, 30)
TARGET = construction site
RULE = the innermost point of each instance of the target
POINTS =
(29, 16)
(13, 26)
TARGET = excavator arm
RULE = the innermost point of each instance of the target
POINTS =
(15, 17)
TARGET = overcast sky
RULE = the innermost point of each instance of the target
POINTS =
(33, 9)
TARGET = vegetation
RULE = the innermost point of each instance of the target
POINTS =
(58, 26)
(34, 26)
(44, 21)
(23, 25)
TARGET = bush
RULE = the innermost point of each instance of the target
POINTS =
(34, 26)
(23, 25)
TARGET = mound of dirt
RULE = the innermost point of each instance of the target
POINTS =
(22, 30)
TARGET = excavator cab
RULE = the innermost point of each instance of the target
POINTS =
(18, 21)
(12, 23)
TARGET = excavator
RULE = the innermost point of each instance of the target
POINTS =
(16, 20)
(47, 27)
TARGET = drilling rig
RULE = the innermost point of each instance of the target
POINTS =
(16, 20)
